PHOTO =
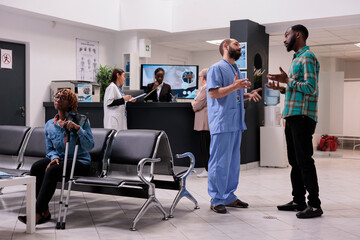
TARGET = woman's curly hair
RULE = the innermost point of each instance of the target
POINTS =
(71, 97)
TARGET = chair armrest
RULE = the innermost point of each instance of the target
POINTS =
(191, 166)
(106, 158)
(140, 168)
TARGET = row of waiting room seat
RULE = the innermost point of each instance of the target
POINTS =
(124, 163)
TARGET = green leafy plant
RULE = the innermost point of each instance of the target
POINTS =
(103, 77)
(258, 73)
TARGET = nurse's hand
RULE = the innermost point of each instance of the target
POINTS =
(254, 95)
(127, 98)
(241, 83)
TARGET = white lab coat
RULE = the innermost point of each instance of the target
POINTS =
(115, 116)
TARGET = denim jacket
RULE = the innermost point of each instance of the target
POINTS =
(55, 142)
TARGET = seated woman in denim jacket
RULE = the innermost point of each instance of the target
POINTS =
(48, 171)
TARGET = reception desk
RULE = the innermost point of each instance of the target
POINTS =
(176, 119)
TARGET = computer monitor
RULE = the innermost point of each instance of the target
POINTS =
(183, 79)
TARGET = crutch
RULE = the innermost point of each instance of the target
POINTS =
(63, 177)
(60, 224)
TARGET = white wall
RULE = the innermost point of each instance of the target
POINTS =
(352, 99)
(331, 103)
(352, 69)
(50, 55)
(351, 109)
(207, 14)
(163, 55)
(97, 13)
(181, 15)
(205, 58)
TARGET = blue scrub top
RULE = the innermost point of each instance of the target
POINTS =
(226, 114)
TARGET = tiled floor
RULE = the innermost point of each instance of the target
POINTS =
(93, 216)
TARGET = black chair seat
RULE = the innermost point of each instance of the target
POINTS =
(113, 182)
(106, 181)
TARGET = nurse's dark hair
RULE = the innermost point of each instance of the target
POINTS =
(302, 29)
(114, 74)
(71, 97)
(158, 70)
(221, 47)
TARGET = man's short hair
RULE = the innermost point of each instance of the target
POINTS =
(227, 41)
(302, 29)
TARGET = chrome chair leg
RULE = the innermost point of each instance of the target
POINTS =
(182, 193)
(151, 201)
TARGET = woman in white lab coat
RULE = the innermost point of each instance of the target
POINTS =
(114, 102)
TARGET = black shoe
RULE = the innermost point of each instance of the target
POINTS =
(43, 219)
(310, 212)
(292, 206)
(238, 204)
(219, 209)
(22, 219)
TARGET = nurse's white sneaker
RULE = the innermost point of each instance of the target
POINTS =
(203, 174)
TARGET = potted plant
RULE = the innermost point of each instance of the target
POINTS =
(258, 73)
(103, 77)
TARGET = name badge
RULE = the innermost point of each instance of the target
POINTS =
(238, 99)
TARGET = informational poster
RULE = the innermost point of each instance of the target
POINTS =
(87, 60)
(241, 63)
(84, 92)
(6, 58)
(243, 74)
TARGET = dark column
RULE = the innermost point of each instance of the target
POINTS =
(257, 57)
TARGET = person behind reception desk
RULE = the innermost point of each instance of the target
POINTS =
(201, 123)
(158, 91)
(114, 102)
(48, 171)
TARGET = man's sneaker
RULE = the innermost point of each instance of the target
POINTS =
(203, 174)
(310, 212)
(292, 206)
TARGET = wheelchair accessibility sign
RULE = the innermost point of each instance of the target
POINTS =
(6, 58)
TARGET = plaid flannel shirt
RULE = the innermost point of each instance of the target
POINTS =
(302, 90)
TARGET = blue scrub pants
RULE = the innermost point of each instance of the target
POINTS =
(224, 167)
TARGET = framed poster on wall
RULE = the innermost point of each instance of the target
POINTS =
(241, 63)
(243, 74)
(87, 59)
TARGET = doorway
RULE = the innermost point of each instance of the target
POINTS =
(12, 86)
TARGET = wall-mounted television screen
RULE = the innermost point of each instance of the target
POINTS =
(183, 79)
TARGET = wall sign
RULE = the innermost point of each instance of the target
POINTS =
(87, 59)
(241, 63)
(6, 58)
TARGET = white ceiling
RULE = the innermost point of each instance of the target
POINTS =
(335, 41)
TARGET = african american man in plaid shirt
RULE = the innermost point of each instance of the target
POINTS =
(300, 112)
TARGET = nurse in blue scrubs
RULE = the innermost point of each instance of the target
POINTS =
(226, 95)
